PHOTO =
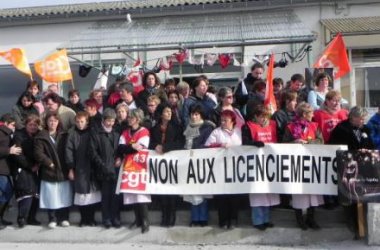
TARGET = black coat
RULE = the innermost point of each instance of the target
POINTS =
(240, 98)
(77, 158)
(204, 132)
(103, 151)
(343, 134)
(24, 179)
(174, 139)
(46, 152)
(5, 143)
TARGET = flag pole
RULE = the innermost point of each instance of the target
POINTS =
(72, 83)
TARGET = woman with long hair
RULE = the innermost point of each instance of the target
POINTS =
(56, 190)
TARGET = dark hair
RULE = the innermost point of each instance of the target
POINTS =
(157, 80)
(160, 109)
(54, 97)
(211, 89)
(33, 118)
(173, 92)
(259, 85)
(278, 81)
(73, 92)
(170, 81)
(257, 66)
(7, 118)
(32, 83)
(297, 77)
(127, 86)
(287, 96)
(197, 108)
(55, 115)
(320, 76)
(198, 81)
(258, 110)
(26, 94)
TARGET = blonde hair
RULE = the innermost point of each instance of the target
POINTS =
(302, 108)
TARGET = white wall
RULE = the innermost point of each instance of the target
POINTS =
(38, 40)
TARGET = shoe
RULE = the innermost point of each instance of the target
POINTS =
(269, 224)
(33, 222)
(261, 227)
(313, 225)
(203, 223)
(145, 227)
(21, 222)
(134, 225)
(65, 223)
(5, 222)
(193, 224)
(107, 224)
(92, 223)
(52, 225)
(116, 224)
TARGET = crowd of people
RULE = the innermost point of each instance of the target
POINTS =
(56, 153)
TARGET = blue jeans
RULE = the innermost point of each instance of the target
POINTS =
(199, 212)
(260, 215)
(6, 190)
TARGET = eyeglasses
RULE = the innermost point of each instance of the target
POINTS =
(229, 96)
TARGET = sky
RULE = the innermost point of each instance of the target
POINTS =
(29, 3)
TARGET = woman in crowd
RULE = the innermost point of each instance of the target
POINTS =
(133, 140)
(56, 191)
(356, 135)
(327, 117)
(257, 131)
(152, 86)
(151, 118)
(175, 105)
(302, 130)
(103, 147)
(286, 113)
(74, 101)
(227, 135)
(316, 97)
(33, 87)
(86, 189)
(23, 108)
(199, 96)
(226, 100)
(196, 134)
(25, 169)
(167, 135)
(97, 95)
(330, 114)
(121, 122)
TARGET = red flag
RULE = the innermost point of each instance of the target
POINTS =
(137, 62)
(335, 55)
(270, 100)
(224, 60)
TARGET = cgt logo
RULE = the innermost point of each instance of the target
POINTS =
(134, 176)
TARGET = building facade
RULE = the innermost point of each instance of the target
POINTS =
(102, 34)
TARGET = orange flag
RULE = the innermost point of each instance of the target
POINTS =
(270, 100)
(55, 67)
(335, 56)
(18, 59)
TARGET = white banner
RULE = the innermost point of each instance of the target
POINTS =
(275, 168)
